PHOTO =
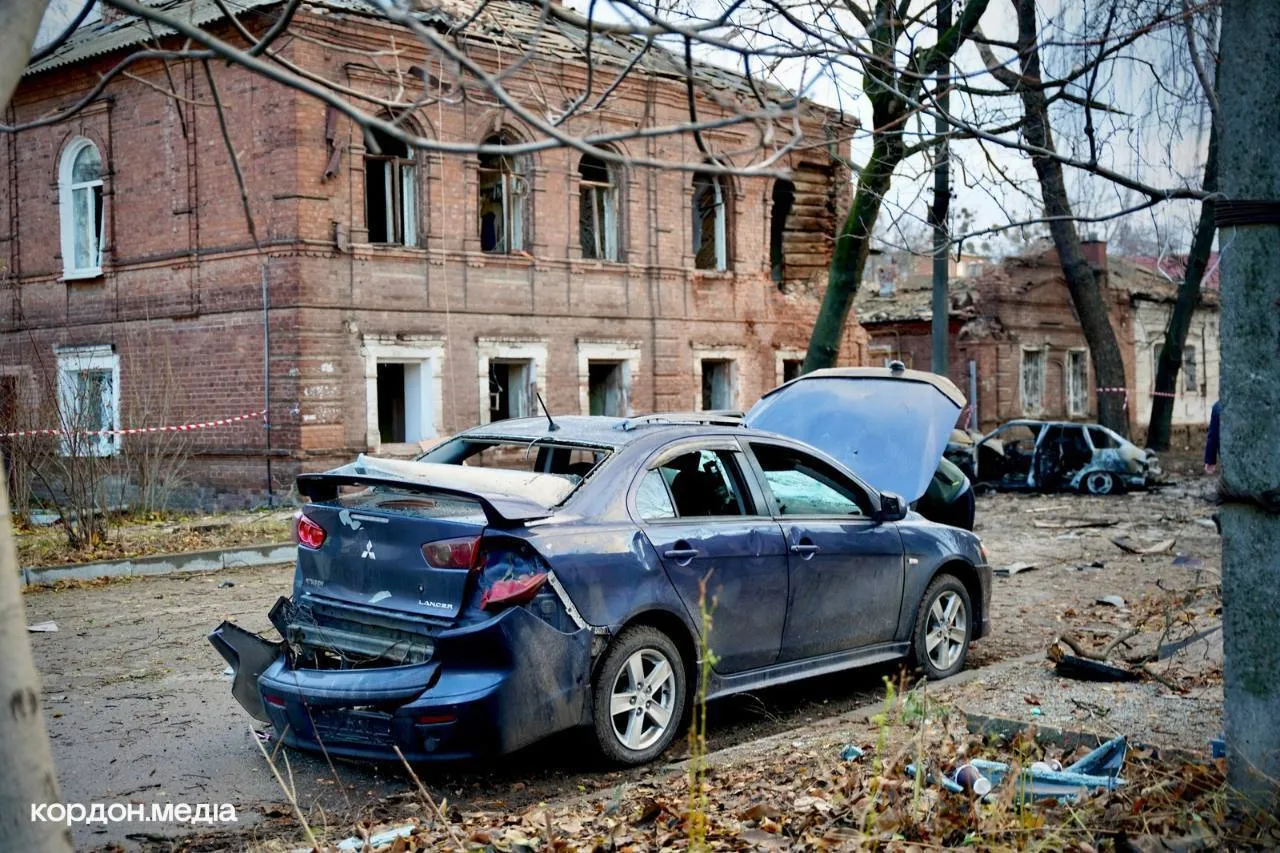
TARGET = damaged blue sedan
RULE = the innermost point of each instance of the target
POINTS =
(535, 575)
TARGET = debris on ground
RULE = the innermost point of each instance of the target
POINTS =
(43, 627)
(1099, 770)
(1014, 568)
(1125, 543)
(1113, 600)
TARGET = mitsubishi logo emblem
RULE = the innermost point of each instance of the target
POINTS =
(368, 551)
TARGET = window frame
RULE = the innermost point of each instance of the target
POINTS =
(399, 197)
(604, 196)
(702, 181)
(428, 355)
(1042, 354)
(517, 195)
(507, 351)
(1070, 391)
(73, 361)
(67, 190)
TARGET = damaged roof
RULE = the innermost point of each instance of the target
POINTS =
(514, 24)
(912, 297)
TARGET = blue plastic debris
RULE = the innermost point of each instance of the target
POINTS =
(1099, 769)
(851, 753)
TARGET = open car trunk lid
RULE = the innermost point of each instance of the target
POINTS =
(372, 552)
(887, 425)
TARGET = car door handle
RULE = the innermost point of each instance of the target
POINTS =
(681, 553)
(808, 549)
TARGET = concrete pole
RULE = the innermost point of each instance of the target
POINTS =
(941, 202)
(1249, 240)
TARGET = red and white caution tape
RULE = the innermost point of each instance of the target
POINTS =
(138, 430)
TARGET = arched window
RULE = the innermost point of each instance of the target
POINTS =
(504, 196)
(710, 223)
(390, 191)
(80, 199)
(784, 198)
(597, 209)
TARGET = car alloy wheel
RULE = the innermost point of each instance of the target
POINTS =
(642, 703)
(1099, 483)
(943, 628)
(946, 631)
(639, 695)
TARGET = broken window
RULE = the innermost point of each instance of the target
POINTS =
(710, 226)
(653, 501)
(88, 400)
(717, 384)
(504, 194)
(784, 198)
(510, 389)
(80, 199)
(607, 388)
(597, 210)
(792, 368)
(704, 483)
(390, 191)
(802, 485)
(1190, 381)
(1077, 390)
(1103, 439)
(391, 403)
(405, 407)
(1032, 380)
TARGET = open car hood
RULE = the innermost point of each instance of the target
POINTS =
(889, 426)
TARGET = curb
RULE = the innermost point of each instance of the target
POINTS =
(164, 564)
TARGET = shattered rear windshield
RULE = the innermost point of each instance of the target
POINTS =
(573, 462)
(400, 501)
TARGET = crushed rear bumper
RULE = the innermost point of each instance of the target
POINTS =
(491, 688)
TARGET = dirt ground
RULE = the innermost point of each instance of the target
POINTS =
(139, 710)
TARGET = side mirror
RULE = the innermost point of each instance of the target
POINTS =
(892, 507)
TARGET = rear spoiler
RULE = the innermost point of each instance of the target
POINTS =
(506, 497)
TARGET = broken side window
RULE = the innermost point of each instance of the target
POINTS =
(597, 209)
(653, 501)
(705, 483)
(1032, 380)
(1102, 439)
(802, 485)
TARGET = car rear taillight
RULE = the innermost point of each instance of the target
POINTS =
(453, 553)
(506, 593)
(273, 700)
(309, 534)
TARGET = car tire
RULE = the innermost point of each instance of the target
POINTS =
(634, 722)
(1100, 483)
(945, 605)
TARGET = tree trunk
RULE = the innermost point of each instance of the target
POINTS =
(1082, 283)
(1175, 337)
(27, 775)
(1248, 168)
(850, 255)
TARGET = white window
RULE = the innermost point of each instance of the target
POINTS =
(1190, 377)
(504, 194)
(403, 389)
(1032, 380)
(390, 192)
(508, 377)
(605, 373)
(597, 210)
(1077, 390)
(80, 200)
(89, 400)
(710, 226)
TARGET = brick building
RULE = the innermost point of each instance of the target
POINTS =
(405, 294)
(1015, 338)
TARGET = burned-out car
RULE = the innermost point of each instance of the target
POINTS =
(535, 575)
(1050, 456)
